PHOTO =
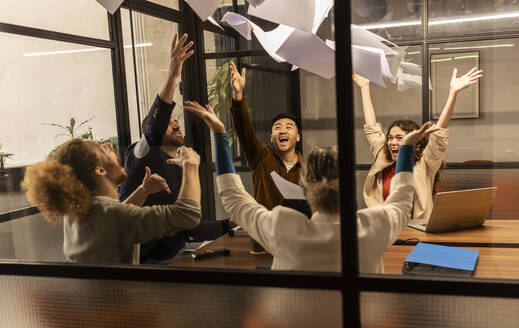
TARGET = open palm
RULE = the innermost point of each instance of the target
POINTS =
(460, 83)
(206, 114)
(237, 81)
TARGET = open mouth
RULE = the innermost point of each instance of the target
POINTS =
(394, 151)
(283, 141)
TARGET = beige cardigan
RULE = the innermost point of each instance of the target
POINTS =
(424, 170)
(315, 245)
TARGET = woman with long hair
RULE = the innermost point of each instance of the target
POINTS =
(428, 155)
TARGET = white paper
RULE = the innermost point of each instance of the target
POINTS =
(270, 41)
(214, 22)
(194, 246)
(204, 8)
(371, 63)
(295, 13)
(322, 8)
(287, 189)
(411, 68)
(111, 5)
(309, 52)
(365, 38)
(241, 24)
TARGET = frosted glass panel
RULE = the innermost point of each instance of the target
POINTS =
(52, 302)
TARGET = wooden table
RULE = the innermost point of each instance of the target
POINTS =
(496, 263)
(494, 233)
(240, 258)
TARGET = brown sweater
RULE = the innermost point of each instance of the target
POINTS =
(262, 159)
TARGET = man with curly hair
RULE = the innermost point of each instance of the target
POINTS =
(428, 155)
(78, 184)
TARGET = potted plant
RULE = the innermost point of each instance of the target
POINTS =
(3, 157)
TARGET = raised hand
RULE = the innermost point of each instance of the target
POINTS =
(207, 114)
(153, 183)
(360, 80)
(413, 137)
(187, 157)
(237, 81)
(459, 83)
(179, 54)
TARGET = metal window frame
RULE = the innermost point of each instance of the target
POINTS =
(349, 283)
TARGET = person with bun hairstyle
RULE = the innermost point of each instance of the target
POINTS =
(78, 184)
(429, 152)
(314, 245)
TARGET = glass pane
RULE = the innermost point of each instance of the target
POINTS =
(68, 82)
(472, 17)
(152, 46)
(167, 3)
(53, 302)
(391, 19)
(270, 89)
(408, 310)
(81, 17)
(215, 42)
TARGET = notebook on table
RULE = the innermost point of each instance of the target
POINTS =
(458, 209)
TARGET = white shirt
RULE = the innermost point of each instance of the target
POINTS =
(314, 245)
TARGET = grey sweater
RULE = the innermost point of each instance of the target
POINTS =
(111, 231)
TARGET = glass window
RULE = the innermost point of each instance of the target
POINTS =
(152, 45)
(47, 82)
(474, 148)
(81, 17)
(472, 17)
(167, 3)
(49, 92)
(391, 19)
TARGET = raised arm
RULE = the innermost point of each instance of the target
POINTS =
(159, 115)
(456, 85)
(189, 160)
(242, 207)
(251, 145)
(151, 184)
(379, 226)
(367, 106)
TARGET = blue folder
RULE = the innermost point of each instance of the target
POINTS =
(440, 259)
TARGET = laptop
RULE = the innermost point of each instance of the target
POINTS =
(453, 210)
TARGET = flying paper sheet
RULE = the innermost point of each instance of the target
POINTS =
(322, 8)
(204, 8)
(304, 15)
(411, 68)
(241, 24)
(287, 189)
(295, 13)
(362, 37)
(371, 63)
(308, 51)
(270, 41)
(214, 22)
(111, 5)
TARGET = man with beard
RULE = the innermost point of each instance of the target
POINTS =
(161, 139)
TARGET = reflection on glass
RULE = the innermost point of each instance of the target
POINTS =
(392, 19)
(82, 17)
(472, 17)
(48, 89)
(152, 43)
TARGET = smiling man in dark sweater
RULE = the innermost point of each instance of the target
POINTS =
(158, 146)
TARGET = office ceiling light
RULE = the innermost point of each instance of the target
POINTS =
(512, 14)
(482, 47)
(73, 51)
